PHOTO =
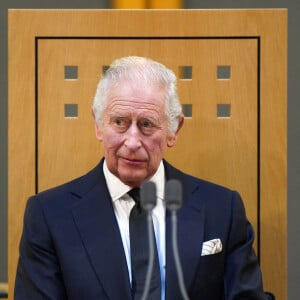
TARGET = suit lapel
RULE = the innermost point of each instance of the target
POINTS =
(190, 234)
(95, 219)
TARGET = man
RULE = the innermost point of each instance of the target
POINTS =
(76, 242)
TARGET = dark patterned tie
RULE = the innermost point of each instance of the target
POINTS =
(139, 249)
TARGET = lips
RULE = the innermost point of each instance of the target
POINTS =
(133, 161)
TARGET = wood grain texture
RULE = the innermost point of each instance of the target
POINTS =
(26, 25)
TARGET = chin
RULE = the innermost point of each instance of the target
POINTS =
(133, 180)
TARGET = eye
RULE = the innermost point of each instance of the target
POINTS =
(147, 124)
(120, 123)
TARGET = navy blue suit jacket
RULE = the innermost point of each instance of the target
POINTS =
(71, 246)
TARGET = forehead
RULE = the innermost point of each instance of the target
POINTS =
(136, 95)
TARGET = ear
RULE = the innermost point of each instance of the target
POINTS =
(98, 129)
(171, 139)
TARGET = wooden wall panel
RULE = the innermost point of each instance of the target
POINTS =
(26, 26)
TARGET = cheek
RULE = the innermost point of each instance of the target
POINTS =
(156, 146)
(111, 140)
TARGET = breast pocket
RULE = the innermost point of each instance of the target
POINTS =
(209, 278)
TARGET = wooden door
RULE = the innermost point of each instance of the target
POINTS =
(224, 83)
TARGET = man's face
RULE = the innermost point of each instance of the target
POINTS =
(134, 133)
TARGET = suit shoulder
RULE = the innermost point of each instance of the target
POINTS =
(204, 191)
(77, 186)
(194, 182)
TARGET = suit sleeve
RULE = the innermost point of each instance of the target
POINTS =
(243, 279)
(38, 272)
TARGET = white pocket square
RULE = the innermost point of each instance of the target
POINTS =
(211, 247)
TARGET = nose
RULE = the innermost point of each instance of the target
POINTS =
(133, 138)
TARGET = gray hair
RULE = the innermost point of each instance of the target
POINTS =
(135, 68)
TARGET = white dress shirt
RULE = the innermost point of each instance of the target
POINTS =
(123, 204)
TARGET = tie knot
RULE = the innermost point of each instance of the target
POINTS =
(135, 194)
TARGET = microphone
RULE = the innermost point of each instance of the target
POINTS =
(173, 198)
(148, 195)
(148, 202)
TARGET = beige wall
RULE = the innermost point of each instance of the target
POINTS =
(293, 111)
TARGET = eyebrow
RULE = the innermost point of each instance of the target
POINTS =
(141, 116)
(150, 118)
(120, 115)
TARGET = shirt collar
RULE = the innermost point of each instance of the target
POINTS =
(117, 188)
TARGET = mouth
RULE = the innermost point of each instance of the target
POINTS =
(133, 161)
